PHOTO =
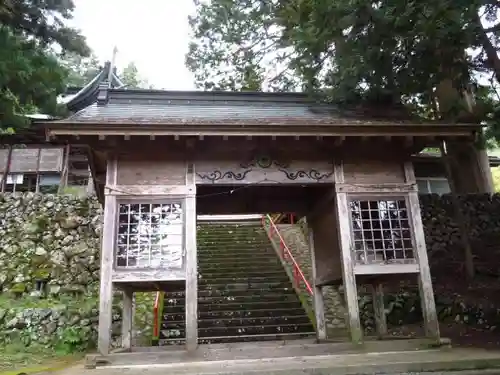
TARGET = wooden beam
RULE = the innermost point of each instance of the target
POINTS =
(318, 300)
(127, 318)
(375, 188)
(107, 255)
(379, 309)
(385, 269)
(191, 265)
(142, 190)
(131, 275)
(7, 168)
(37, 183)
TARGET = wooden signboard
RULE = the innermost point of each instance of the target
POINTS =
(26, 160)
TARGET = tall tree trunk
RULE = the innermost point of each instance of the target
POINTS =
(463, 162)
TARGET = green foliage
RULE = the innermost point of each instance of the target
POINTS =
(31, 76)
(73, 339)
(495, 172)
(80, 70)
(131, 78)
(386, 53)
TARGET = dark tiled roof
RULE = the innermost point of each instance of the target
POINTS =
(119, 106)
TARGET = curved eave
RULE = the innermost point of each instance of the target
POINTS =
(87, 95)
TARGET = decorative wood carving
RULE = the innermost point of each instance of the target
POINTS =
(264, 169)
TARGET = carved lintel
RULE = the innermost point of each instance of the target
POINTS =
(264, 164)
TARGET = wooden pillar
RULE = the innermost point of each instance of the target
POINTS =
(379, 309)
(431, 324)
(318, 301)
(65, 172)
(348, 277)
(191, 265)
(7, 169)
(127, 318)
(107, 254)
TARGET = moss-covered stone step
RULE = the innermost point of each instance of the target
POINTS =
(232, 243)
(249, 306)
(255, 329)
(235, 253)
(236, 301)
(240, 330)
(229, 264)
(231, 248)
(242, 272)
(238, 314)
(242, 296)
(240, 338)
(229, 279)
(240, 322)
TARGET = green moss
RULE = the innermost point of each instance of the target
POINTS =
(16, 358)
(42, 274)
(18, 288)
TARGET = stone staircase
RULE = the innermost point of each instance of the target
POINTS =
(244, 293)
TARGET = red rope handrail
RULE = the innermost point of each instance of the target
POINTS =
(286, 254)
(156, 322)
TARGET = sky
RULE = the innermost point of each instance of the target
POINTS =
(154, 34)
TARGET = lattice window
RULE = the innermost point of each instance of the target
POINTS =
(150, 235)
(381, 231)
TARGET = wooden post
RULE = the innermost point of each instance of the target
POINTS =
(379, 309)
(191, 265)
(349, 279)
(107, 254)
(37, 183)
(65, 172)
(127, 318)
(318, 300)
(7, 169)
(431, 324)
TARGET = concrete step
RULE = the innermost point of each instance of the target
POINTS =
(236, 314)
(239, 322)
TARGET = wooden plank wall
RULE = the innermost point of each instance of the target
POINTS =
(324, 227)
(363, 171)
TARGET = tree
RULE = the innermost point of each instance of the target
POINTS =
(80, 70)
(131, 78)
(32, 33)
(409, 55)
